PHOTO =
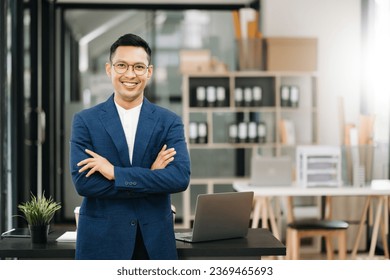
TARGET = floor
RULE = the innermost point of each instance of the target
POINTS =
(322, 256)
(311, 250)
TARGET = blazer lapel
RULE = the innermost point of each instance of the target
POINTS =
(146, 123)
(111, 122)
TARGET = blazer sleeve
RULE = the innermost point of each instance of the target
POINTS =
(96, 185)
(173, 178)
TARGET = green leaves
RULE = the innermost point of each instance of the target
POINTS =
(39, 211)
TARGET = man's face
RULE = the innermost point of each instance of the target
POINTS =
(128, 87)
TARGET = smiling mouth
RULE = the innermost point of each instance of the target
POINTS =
(129, 84)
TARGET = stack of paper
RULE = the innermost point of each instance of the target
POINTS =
(69, 236)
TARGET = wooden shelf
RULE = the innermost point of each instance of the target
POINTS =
(271, 112)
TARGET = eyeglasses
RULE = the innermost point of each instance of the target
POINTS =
(139, 69)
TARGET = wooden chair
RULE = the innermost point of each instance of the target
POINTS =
(327, 228)
(311, 228)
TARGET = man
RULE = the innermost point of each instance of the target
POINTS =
(127, 156)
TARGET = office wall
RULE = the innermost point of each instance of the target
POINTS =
(336, 24)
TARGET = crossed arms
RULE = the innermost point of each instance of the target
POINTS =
(96, 174)
(97, 163)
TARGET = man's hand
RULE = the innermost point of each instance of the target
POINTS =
(97, 163)
(164, 157)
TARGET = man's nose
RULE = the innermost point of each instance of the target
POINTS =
(130, 72)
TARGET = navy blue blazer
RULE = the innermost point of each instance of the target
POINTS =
(112, 209)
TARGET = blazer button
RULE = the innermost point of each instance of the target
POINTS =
(133, 223)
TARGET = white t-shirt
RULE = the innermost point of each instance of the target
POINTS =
(129, 119)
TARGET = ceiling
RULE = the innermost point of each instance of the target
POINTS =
(99, 28)
(157, 2)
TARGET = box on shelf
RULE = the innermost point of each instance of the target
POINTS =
(195, 61)
(291, 54)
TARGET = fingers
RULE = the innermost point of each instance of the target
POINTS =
(89, 163)
(169, 154)
(165, 154)
(164, 157)
(163, 148)
(169, 160)
(86, 161)
(90, 172)
(91, 153)
(85, 167)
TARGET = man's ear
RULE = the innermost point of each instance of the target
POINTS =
(108, 69)
(150, 72)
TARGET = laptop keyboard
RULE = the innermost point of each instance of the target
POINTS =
(184, 235)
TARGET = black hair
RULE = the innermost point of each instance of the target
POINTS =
(131, 40)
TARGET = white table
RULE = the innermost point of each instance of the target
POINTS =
(379, 190)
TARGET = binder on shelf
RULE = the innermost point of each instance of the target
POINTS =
(233, 133)
(242, 132)
(201, 97)
(247, 97)
(238, 97)
(252, 132)
(257, 96)
(221, 97)
(193, 135)
(202, 133)
(211, 96)
(262, 132)
(284, 96)
(294, 96)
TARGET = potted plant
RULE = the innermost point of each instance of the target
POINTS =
(39, 212)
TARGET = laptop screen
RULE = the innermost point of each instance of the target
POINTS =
(222, 215)
(271, 171)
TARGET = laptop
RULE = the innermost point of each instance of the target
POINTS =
(219, 216)
(17, 233)
(271, 171)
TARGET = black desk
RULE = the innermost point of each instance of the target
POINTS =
(258, 243)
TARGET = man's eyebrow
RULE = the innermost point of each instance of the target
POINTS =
(137, 62)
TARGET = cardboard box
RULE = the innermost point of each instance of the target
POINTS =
(195, 61)
(291, 54)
